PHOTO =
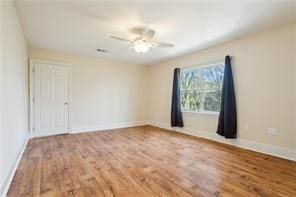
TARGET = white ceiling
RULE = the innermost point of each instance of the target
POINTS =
(83, 26)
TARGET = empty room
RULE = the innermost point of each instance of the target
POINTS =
(147, 98)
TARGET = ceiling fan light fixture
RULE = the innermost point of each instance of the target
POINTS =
(141, 47)
(143, 42)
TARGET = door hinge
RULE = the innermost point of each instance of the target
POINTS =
(33, 69)
(33, 99)
(33, 128)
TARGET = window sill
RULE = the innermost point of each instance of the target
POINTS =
(205, 113)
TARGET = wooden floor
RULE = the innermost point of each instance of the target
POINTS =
(147, 161)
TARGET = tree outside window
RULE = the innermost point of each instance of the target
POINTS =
(201, 88)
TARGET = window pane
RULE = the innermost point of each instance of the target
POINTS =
(190, 100)
(212, 101)
(191, 79)
(201, 88)
(213, 77)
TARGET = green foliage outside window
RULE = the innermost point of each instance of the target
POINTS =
(201, 88)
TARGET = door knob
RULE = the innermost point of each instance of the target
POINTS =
(65, 103)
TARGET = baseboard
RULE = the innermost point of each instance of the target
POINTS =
(15, 166)
(107, 126)
(286, 153)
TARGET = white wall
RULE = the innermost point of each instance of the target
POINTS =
(264, 81)
(105, 93)
(14, 91)
(294, 76)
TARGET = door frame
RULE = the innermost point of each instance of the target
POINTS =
(31, 92)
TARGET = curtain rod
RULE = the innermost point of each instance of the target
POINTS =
(204, 64)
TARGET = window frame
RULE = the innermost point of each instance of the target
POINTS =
(200, 66)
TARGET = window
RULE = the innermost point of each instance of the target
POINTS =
(201, 88)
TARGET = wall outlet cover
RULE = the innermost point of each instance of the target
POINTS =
(272, 131)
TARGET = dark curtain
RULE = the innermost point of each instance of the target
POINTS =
(176, 114)
(227, 124)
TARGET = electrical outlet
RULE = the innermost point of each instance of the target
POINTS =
(272, 131)
(246, 127)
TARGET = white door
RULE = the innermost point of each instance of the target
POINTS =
(51, 97)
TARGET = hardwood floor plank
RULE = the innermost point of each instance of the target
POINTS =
(147, 161)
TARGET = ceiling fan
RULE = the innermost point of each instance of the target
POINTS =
(143, 42)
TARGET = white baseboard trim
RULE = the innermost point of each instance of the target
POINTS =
(15, 166)
(107, 126)
(286, 153)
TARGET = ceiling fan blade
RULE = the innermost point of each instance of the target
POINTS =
(122, 39)
(148, 35)
(125, 49)
(159, 44)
